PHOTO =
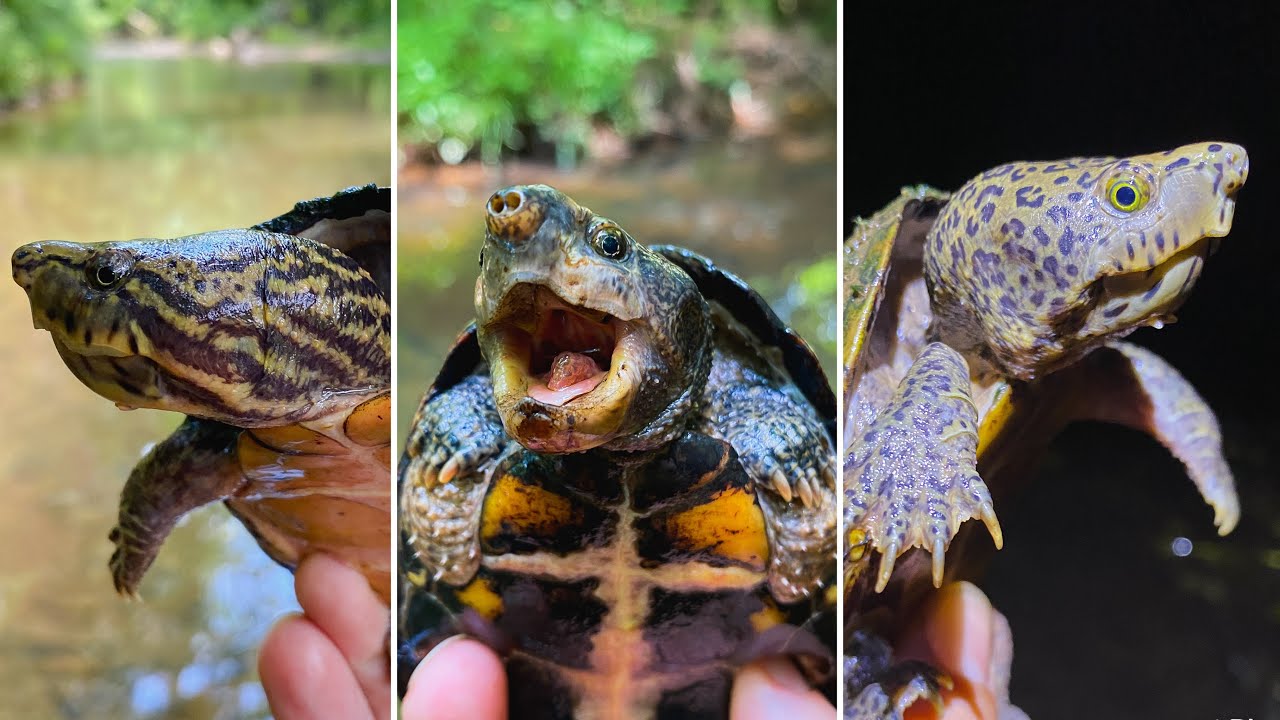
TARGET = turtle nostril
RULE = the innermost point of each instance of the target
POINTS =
(514, 201)
(497, 204)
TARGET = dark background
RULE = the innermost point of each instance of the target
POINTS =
(1107, 621)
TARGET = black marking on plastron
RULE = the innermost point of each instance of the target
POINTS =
(695, 628)
(549, 619)
(536, 692)
(706, 696)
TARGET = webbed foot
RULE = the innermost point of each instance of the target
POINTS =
(912, 479)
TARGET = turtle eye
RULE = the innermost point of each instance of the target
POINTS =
(610, 242)
(1126, 195)
(108, 270)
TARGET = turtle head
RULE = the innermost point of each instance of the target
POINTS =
(225, 325)
(1032, 265)
(591, 338)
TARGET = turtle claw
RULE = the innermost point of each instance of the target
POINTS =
(912, 478)
(881, 691)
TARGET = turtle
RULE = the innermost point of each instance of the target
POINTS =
(976, 325)
(623, 478)
(274, 341)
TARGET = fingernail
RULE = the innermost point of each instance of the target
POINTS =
(436, 650)
(783, 673)
(966, 623)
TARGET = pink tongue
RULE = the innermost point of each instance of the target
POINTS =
(543, 394)
(572, 374)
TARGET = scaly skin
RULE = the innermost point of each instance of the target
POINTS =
(1024, 280)
(279, 334)
(585, 538)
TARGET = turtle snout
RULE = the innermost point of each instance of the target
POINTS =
(513, 214)
(25, 260)
(1232, 163)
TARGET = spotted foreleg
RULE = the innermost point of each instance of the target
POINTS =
(785, 449)
(912, 478)
(456, 438)
(195, 466)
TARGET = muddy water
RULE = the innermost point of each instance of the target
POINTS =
(764, 209)
(146, 149)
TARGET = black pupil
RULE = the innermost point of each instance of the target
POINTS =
(1126, 195)
(106, 275)
(610, 244)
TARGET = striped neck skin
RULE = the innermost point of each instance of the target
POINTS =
(244, 327)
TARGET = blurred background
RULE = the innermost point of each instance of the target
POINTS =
(151, 119)
(710, 125)
(1123, 600)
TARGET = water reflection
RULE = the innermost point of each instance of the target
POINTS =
(149, 149)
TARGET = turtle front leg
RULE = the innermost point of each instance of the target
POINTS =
(456, 439)
(912, 478)
(194, 466)
(1133, 386)
(784, 447)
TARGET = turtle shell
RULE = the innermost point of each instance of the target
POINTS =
(356, 221)
(626, 585)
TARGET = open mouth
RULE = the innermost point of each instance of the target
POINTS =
(567, 351)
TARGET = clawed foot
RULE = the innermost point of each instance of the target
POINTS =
(912, 479)
(877, 690)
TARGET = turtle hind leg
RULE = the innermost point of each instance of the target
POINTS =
(877, 689)
(1134, 387)
(194, 466)
(912, 479)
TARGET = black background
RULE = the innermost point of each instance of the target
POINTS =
(1106, 621)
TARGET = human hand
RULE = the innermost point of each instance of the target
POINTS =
(332, 660)
(961, 634)
(462, 679)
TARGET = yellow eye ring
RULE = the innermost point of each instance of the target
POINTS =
(1126, 195)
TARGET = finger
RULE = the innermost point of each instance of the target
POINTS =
(773, 688)
(956, 636)
(460, 679)
(305, 676)
(340, 602)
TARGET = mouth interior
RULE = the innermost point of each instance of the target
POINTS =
(571, 350)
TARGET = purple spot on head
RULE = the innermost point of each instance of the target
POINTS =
(1018, 227)
(1037, 298)
(971, 227)
(1177, 242)
(1041, 235)
(1160, 240)
(994, 190)
(1086, 179)
(1061, 179)
(1180, 162)
(1058, 214)
(1217, 180)
(1024, 200)
(1075, 196)
(1128, 244)
(1066, 242)
(997, 172)
(1072, 270)
(1214, 147)
(988, 211)
(1051, 265)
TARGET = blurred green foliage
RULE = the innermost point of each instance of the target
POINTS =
(44, 43)
(498, 75)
